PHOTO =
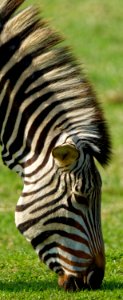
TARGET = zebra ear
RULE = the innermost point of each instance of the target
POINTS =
(65, 154)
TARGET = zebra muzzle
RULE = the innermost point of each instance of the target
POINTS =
(70, 283)
(92, 280)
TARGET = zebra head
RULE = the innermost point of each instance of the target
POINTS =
(80, 248)
(62, 218)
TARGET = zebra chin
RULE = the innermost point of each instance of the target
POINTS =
(92, 280)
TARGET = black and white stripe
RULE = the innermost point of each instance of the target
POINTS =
(47, 102)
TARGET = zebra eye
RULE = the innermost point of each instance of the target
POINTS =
(81, 199)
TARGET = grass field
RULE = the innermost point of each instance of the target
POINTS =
(94, 29)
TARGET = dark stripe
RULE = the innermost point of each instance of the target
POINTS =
(93, 232)
(37, 89)
(53, 265)
(4, 104)
(47, 248)
(13, 75)
(16, 145)
(31, 203)
(40, 178)
(52, 144)
(46, 234)
(8, 9)
(75, 252)
(7, 51)
(58, 257)
(84, 217)
(42, 187)
(30, 223)
(66, 221)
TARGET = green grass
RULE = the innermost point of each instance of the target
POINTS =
(94, 30)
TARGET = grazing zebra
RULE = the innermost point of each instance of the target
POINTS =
(51, 131)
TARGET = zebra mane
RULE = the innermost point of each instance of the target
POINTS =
(26, 35)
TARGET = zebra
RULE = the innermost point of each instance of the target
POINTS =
(52, 132)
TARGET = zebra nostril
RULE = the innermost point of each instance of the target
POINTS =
(71, 283)
(94, 278)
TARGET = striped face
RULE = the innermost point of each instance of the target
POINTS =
(61, 218)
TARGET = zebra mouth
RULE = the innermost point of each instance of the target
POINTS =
(73, 283)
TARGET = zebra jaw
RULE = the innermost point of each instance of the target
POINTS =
(65, 154)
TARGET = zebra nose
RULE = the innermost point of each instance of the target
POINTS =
(91, 281)
(70, 283)
(95, 273)
(94, 278)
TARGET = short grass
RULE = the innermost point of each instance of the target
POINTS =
(94, 30)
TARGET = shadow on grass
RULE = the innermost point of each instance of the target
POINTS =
(43, 285)
(18, 286)
(112, 285)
